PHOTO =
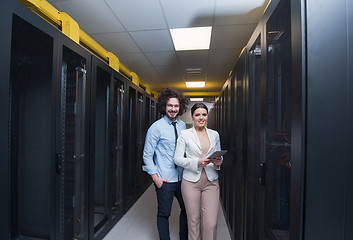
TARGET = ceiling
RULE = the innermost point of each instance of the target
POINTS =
(137, 32)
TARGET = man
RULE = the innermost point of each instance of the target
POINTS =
(160, 143)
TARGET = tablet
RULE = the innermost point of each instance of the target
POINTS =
(216, 154)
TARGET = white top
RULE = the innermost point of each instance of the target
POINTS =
(188, 143)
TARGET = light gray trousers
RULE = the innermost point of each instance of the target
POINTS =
(201, 200)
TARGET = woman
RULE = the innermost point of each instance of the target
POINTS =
(199, 187)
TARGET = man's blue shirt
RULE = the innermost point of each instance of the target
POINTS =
(160, 144)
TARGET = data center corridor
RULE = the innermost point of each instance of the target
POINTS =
(140, 221)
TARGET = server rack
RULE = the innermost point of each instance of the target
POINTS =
(322, 127)
(277, 131)
(101, 146)
(130, 137)
(140, 141)
(257, 169)
(239, 156)
(74, 67)
(224, 145)
(62, 134)
(150, 117)
(118, 96)
(133, 165)
(221, 131)
(31, 124)
(253, 144)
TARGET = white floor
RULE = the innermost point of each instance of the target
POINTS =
(139, 223)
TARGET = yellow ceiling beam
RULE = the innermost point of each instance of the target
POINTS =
(43, 9)
(69, 27)
(93, 46)
(135, 79)
(113, 61)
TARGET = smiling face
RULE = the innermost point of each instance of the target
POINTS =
(200, 117)
(172, 108)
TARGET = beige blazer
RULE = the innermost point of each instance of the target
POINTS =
(188, 143)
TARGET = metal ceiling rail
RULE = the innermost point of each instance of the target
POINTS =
(70, 28)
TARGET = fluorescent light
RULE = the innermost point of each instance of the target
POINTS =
(196, 99)
(196, 38)
(195, 84)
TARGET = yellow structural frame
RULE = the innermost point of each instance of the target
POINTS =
(71, 29)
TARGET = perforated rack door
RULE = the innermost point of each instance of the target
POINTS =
(117, 141)
(74, 117)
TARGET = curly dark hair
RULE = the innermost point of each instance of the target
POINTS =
(167, 93)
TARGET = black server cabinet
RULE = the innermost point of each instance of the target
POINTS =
(222, 178)
(231, 148)
(225, 145)
(323, 66)
(31, 128)
(100, 147)
(239, 156)
(153, 112)
(73, 147)
(260, 175)
(117, 177)
(136, 122)
(150, 117)
(6, 15)
(130, 136)
(149, 113)
(63, 135)
(140, 143)
(253, 146)
(134, 126)
(277, 122)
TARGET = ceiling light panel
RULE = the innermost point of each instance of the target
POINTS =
(197, 38)
(196, 99)
(198, 84)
